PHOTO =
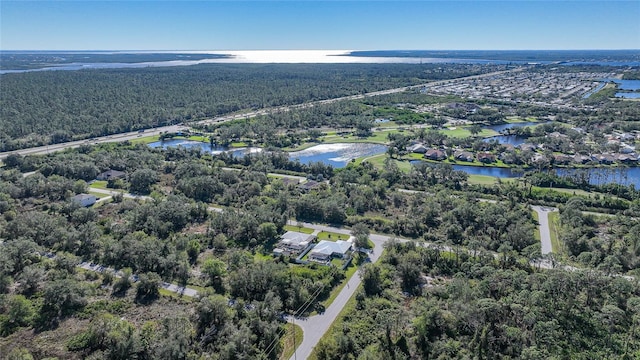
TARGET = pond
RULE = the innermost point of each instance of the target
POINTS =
(502, 127)
(510, 139)
(337, 155)
(595, 176)
(206, 147)
(628, 95)
(514, 140)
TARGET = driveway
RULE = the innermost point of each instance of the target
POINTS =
(545, 230)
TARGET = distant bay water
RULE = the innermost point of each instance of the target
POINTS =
(270, 56)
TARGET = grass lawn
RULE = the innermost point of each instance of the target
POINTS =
(378, 162)
(290, 341)
(200, 138)
(554, 225)
(302, 146)
(481, 179)
(99, 184)
(328, 235)
(460, 132)
(517, 119)
(145, 139)
(98, 195)
(349, 272)
(378, 137)
(238, 144)
(536, 231)
(300, 229)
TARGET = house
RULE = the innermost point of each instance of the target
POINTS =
(293, 242)
(418, 148)
(111, 175)
(463, 156)
(435, 154)
(605, 158)
(581, 159)
(85, 200)
(527, 147)
(626, 158)
(562, 159)
(309, 185)
(486, 157)
(326, 250)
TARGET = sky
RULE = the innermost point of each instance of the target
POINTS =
(327, 25)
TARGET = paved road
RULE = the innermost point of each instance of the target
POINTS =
(315, 326)
(115, 192)
(545, 230)
(221, 119)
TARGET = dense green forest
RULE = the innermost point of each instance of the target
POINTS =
(423, 303)
(173, 236)
(56, 106)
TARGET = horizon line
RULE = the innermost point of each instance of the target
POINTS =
(348, 50)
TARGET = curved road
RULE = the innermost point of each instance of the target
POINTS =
(314, 327)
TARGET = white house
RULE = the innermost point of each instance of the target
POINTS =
(328, 249)
(293, 242)
(85, 200)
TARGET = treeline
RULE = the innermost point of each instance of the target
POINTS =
(40, 108)
(422, 303)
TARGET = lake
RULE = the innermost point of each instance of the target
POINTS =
(627, 85)
(337, 155)
(282, 57)
(514, 140)
(206, 147)
(509, 139)
(596, 176)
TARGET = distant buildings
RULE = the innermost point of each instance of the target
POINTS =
(111, 175)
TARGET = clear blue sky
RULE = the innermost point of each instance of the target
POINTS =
(357, 25)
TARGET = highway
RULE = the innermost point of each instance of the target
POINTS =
(221, 119)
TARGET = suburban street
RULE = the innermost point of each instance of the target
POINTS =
(314, 327)
(221, 119)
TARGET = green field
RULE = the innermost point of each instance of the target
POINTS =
(536, 232)
(299, 229)
(290, 341)
(554, 227)
(98, 184)
(460, 132)
(145, 139)
(332, 236)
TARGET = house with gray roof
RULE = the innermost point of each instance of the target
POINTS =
(325, 250)
(293, 242)
(85, 200)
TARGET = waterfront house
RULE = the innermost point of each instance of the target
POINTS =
(435, 154)
(463, 156)
(418, 149)
(485, 157)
